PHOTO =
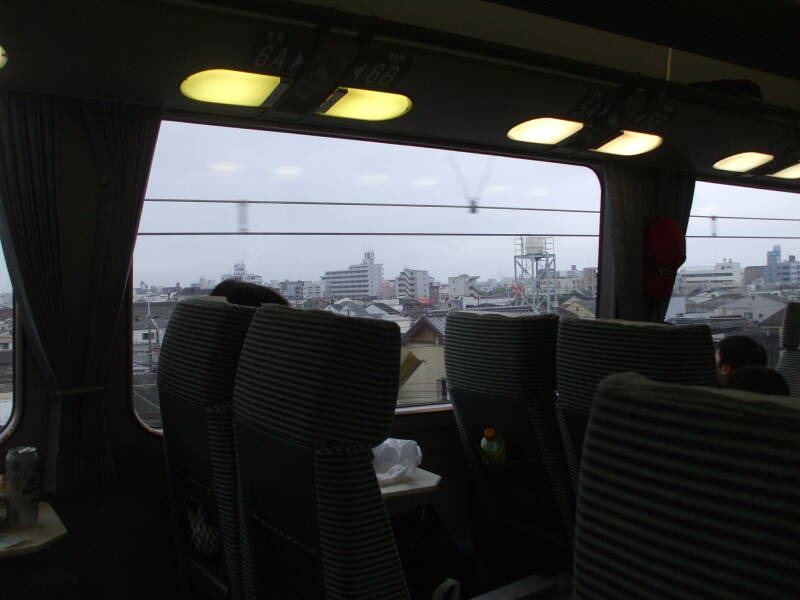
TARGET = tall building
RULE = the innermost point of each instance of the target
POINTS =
(312, 289)
(590, 279)
(241, 274)
(725, 275)
(773, 260)
(460, 286)
(781, 272)
(292, 290)
(413, 283)
(357, 281)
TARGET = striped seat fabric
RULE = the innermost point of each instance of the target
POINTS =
(314, 393)
(197, 368)
(589, 350)
(501, 374)
(789, 362)
(688, 492)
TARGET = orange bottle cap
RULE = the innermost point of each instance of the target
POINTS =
(489, 433)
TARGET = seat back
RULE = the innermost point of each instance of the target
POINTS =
(589, 350)
(196, 371)
(501, 374)
(315, 392)
(688, 492)
(789, 362)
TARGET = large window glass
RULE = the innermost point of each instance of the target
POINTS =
(6, 345)
(741, 267)
(372, 230)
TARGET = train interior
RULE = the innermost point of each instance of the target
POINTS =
(464, 144)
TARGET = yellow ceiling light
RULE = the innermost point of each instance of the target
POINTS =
(631, 143)
(743, 162)
(792, 172)
(365, 105)
(545, 130)
(223, 86)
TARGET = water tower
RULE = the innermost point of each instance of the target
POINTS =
(535, 273)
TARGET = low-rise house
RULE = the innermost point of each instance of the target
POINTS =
(426, 340)
(584, 309)
(754, 308)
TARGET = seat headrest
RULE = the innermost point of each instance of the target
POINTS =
(318, 378)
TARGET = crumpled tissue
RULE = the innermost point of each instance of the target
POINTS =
(395, 460)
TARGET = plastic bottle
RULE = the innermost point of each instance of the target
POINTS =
(493, 447)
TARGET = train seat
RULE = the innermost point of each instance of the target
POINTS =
(688, 492)
(315, 392)
(501, 374)
(589, 350)
(789, 362)
(197, 368)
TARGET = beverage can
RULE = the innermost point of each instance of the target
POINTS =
(22, 486)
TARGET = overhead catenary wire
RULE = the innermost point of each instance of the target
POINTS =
(437, 234)
(453, 206)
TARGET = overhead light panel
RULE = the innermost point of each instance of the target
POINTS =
(3, 57)
(792, 172)
(365, 105)
(743, 162)
(544, 130)
(223, 86)
(631, 143)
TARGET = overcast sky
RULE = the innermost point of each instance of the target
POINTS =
(218, 163)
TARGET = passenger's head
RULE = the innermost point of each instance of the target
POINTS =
(247, 294)
(758, 379)
(736, 352)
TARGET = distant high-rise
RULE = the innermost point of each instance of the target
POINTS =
(726, 275)
(357, 281)
(413, 283)
(460, 286)
(240, 274)
(312, 289)
(772, 272)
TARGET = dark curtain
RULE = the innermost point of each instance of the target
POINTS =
(73, 175)
(633, 195)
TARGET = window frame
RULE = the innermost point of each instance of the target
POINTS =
(17, 404)
(375, 137)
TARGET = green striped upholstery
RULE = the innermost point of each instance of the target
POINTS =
(197, 367)
(488, 353)
(314, 393)
(789, 362)
(589, 350)
(501, 373)
(688, 492)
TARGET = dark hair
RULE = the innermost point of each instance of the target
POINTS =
(739, 351)
(758, 379)
(247, 294)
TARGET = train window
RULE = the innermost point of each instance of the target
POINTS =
(741, 267)
(365, 229)
(6, 346)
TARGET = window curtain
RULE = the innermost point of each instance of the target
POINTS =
(633, 195)
(73, 175)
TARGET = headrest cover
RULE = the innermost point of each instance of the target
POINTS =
(201, 348)
(501, 355)
(317, 378)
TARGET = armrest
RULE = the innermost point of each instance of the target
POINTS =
(522, 589)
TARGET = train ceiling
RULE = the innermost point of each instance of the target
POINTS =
(472, 68)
